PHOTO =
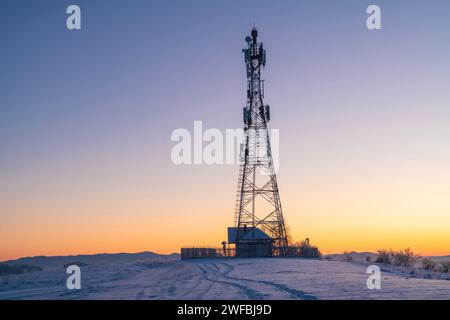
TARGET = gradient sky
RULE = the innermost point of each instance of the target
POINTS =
(86, 118)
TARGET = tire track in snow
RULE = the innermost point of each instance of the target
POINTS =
(198, 284)
(297, 294)
(208, 274)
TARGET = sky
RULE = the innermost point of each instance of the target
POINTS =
(86, 118)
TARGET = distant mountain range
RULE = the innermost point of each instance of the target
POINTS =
(97, 259)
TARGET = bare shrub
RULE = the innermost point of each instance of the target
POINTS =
(347, 256)
(383, 256)
(404, 258)
(428, 264)
(444, 266)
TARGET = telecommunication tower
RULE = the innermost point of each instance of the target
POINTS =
(258, 204)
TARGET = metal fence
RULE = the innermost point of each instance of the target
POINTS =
(205, 253)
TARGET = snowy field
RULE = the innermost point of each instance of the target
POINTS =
(150, 276)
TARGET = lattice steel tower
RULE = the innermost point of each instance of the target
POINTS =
(258, 201)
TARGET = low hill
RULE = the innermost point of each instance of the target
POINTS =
(94, 259)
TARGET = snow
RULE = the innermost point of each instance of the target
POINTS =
(415, 271)
(153, 276)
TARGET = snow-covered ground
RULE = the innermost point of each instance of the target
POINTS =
(415, 271)
(166, 277)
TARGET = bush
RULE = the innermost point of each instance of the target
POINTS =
(383, 256)
(444, 266)
(347, 256)
(404, 258)
(428, 264)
